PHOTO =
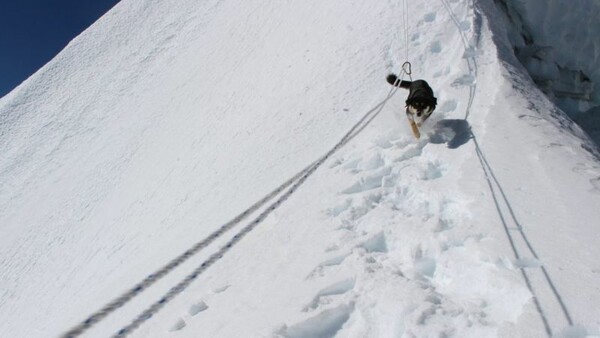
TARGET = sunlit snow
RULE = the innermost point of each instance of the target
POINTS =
(165, 120)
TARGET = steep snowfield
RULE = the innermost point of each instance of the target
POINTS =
(164, 121)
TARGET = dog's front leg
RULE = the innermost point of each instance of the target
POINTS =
(413, 125)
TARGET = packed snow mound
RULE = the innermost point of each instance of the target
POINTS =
(161, 123)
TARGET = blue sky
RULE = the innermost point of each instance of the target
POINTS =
(32, 32)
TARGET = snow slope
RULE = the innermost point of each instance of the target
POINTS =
(164, 121)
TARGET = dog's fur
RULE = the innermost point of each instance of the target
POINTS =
(420, 102)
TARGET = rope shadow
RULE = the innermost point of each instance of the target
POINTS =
(491, 180)
(499, 198)
(462, 134)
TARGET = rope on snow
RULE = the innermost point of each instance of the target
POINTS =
(183, 284)
(294, 182)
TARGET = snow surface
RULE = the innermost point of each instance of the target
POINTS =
(164, 121)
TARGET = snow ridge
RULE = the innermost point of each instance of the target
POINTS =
(161, 122)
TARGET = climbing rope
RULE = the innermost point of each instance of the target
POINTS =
(405, 24)
(291, 184)
(407, 69)
(156, 276)
(183, 284)
(502, 204)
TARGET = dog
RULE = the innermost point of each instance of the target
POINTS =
(420, 102)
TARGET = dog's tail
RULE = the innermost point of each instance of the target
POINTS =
(394, 81)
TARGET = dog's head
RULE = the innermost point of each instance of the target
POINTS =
(420, 108)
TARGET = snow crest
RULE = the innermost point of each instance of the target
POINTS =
(160, 123)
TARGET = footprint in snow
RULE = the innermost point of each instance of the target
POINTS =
(447, 107)
(415, 37)
(392, 138)
(355, 212)
(319, 269)
(464, 81)
(442, 72)
(376, 243)
(197, 308)
(369, 182)
(324, 325)
(433, 171)
(352, 165)
(179, 325)
(334, 261)
(423, 265)
(444, 224)
(465, 26)
(193, 310)
(434, 298)
(338, 209)
(372, 163)
(413, 151)
(336, 162)
(358, 165)
(332, 248)
(429, 17)
(450, 215)
(222, 288)
(435, 47)
(323, 297)
(411, 203)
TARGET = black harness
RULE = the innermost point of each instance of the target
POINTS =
(419, 91)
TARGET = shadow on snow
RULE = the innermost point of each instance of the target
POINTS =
(453, 132)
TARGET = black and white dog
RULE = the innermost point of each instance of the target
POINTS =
(420, 102)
